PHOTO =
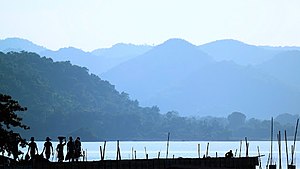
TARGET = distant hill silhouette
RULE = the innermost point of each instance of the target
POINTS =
(98, 61)
(119, 53)
(239, 52)
(162, 66)
(177, 75)
(18, 44)
(155, 75)
(65, 100)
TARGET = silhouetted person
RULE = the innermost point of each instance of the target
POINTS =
(77, 148)
(60, 149)
(229, 154)
(47, 146)
(32, 149)
(70, 149)
(15, 140)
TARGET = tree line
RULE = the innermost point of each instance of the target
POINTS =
(65, 99)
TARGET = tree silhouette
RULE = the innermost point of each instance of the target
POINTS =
(10, 140)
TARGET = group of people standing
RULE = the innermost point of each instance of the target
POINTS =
(73, 149)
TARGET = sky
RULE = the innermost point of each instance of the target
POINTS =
(92, 24)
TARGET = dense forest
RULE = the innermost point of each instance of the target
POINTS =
(65, 99)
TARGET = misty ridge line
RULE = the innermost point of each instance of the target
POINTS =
(218, 77)
(27, 43)
(173, 87)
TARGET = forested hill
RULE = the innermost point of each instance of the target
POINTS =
(64, 99)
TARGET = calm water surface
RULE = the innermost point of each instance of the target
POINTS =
(187, 149)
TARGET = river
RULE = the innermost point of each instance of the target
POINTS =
(185, 149)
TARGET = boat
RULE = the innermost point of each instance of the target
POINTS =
(170, 163)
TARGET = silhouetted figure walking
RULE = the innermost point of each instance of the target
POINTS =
(60, 149)
(70, 149)
(77, 148)
(32, 149)
(47, 150)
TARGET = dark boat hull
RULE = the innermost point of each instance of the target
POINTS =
(178, 163)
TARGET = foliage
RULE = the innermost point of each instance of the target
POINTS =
(64, 99)
(9, 140)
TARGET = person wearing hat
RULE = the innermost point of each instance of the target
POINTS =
(47, 146)
(32, 148)
(60, 149)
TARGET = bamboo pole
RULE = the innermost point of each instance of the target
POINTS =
(295, 137)
(101, 153)
(279, 148)
(132, 151)
(168, 145)
(247, 145)
(268, 160)
(240, 155)
(146, 155)
(104, 148)
(206, 155)
(259, 157)
(118, 151)
(271, 156)
(199, 150)
(286, 149)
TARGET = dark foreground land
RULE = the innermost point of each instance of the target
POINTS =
(178, 163)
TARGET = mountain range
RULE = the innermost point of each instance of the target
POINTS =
(212, 79)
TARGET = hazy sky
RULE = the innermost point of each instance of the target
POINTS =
(91, 24)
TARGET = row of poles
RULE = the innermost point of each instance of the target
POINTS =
(118, 157)
(293, 148)
(133, 152)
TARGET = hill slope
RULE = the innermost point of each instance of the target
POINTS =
(63, 99)
(162, 66)
(18, 44)
(285, 67)
(178, 76)
(239, 52)
(227, 87)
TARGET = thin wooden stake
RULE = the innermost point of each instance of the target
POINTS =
(206, 155)
(146, 155)
(279, 148)
(104, 148)
(240, 155)
(247, 145)
(286, 149)
(168, 146)
(118, 151)
(268, 161)
(259, 157)
(132, 153)
(100, 152)
(295, 137)
(271, 156)
(199, 151)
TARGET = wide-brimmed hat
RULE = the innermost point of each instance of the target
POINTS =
(48, 138)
